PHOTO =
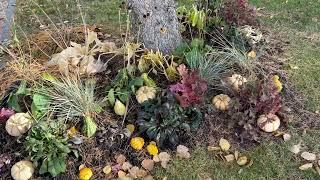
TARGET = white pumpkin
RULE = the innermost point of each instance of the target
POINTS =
(18, 124)
(145, 93)
(221, 102)
(236, 81)
(268, 124)
(22, 170)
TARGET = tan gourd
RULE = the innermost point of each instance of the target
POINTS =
(268, 124)
(18, 124)
(236, 81)
(22, 170)
(145, 93)
(221, 102)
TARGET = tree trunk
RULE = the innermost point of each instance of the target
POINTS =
(155, 24)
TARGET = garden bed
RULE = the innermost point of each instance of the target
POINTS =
(106, 105)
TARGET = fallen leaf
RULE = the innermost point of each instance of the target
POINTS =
(213, 148)
(82, 166)
(120, 159)
(250, 163)
(121, 174)
(242, 160)
(142, 173)
(107, 170)
(319, 162)
(236, 155)
(126, 166)
(295, 148)
(148, 164)
(224, 144)
(164, 158)
(183, 152)
(134, 171)
(317, 169)
(156, 158)
(252, 54)
(165, 178)
(286, 137)
(149, 177)
(306, 166)
(229, 158)
(308, 156)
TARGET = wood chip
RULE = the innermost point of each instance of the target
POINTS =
(308, 156)
(306, 166)
(229, 158)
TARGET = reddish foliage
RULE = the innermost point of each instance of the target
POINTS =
(191, 89)
(5, 114)
(239, 13)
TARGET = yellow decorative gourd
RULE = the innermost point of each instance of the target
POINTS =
(152, 148)
(221, 102)
(119, 108)
(137, 143)
(22, 170)
(85, 173)
(145, 93)
(18, 124)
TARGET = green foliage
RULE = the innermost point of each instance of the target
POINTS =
(47, 145)
(40, 104)
(210, 65)
(124, 85)
(165, 121)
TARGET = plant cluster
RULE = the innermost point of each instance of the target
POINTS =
(48, 147)
(239, 13)
(165, 121)
(191, 89)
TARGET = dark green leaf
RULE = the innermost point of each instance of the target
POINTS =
(111, 97)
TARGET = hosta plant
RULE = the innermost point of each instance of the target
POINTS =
(47, 145)
(164, 121)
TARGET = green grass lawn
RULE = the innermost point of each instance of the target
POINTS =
(297, 21)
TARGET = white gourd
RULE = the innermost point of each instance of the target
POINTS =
(22, 170)
(18, 124)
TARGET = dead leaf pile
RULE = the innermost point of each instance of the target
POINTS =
(223, 152)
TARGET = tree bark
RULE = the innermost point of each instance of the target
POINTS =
(155, 24)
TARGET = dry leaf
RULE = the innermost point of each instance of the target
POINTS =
(229, 158)
(213, 148)
(250, 163)
(164, 158)
(319, 162)
(306, 166)
(133, 171)
(126, 166)
(252, 54)
(183, 152)
(165, 178)
(149, 177)
(121, 174)
(120, 159)
(224, 144)
(317, 169)
(107, 170)
(243, 160)
(286, 137)
(295, 148)
(82, 166)
(308, 156)
(236, 155)
(156, 158)
(148, 164)
(142, 173)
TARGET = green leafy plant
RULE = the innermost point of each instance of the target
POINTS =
(47, 145)
(70, 97)
(165, 121)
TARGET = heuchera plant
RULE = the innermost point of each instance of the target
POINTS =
(239, 13)
(5, 114)
(191, 89)
(269, 100)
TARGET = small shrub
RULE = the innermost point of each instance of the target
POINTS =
(239, 13)
(47, 145)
